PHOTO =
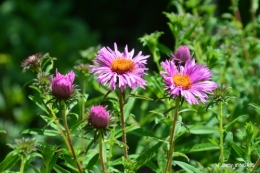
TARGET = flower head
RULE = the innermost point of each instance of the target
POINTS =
(115, 68)
(62, 85)
(182, 55)
(99, 117)
(190, 81)
(32, 62)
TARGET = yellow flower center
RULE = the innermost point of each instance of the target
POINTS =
(182, 80)
(122, 65)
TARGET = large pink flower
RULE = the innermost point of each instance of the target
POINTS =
(115, 68)
(62, 85)
(190, 81)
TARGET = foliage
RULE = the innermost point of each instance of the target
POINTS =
(159, 132)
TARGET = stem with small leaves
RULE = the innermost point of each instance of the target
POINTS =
(64, 117)
(168, 168)
(221, 134)
(121, 105)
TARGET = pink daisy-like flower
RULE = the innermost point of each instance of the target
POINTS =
(115, 68)
(190, 81)
(62, 85)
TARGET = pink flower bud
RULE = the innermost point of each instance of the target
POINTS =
(182, 54)
(62, 85)
(98, 117)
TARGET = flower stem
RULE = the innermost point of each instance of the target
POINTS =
(64, 115)
(101, 153)
(256, 165)
(221, 134)
(22, 164)
(121, 105)
(82, 117)
(171, 142)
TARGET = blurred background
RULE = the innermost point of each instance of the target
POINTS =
(63, 28)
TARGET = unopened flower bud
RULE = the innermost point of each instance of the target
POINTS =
(62, 85)
(32, 62)
(182, 54)
(99, 117)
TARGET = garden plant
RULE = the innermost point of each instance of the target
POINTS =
(197, 110)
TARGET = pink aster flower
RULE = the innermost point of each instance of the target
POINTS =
(190, 81)
(115, 68)
(182, 55)
(99, 117)
(62, 85)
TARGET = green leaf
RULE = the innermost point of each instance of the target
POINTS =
(128, 107)
(45, 132)
(146, 156)
(38, 102)
(59, 169)
(2, 131)
(203, 147)
(213, 141)
(187, 167)
(255, 106)
(161, 158)
(178, 154)
(9, 161)
(141, 97)
(164, 49)
(203, 130)
(189, 32)
(241, 153)
(143, 132)
(93, 161)
(232, 122)
(228, 145)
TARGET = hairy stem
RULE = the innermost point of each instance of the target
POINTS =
(64, 117)
(22, 164)
(221, 134)
(82, 118)
(101, 153)
(171, 142)
(121, 104)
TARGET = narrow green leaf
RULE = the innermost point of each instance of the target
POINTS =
(45, 132)
(178, 154)
(34, 168)
(228, 145)
(93, 161)
(241, 153)
(189, 32)
(59, 169)
(203, 130)
(9, 161)
(38, 102)
(146, 156)
(187, 167)
(255, 106)
(203, 147)
(164, 49)
(143, 132)
(2, 131)
(187, 110)
(232, 122)
(128, 107)
(213, 141)
(161, 159)
(141, 97)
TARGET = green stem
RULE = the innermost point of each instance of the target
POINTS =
(22, 164)
(101, 153)
(64, 115)
(82, 118)
(121, 105)
(221, 134)
(171, 142)
(256, 165)
(156, 59)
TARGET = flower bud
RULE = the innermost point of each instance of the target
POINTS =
(62, 85)
(32, 62)
(182, 54)
(99, 117)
